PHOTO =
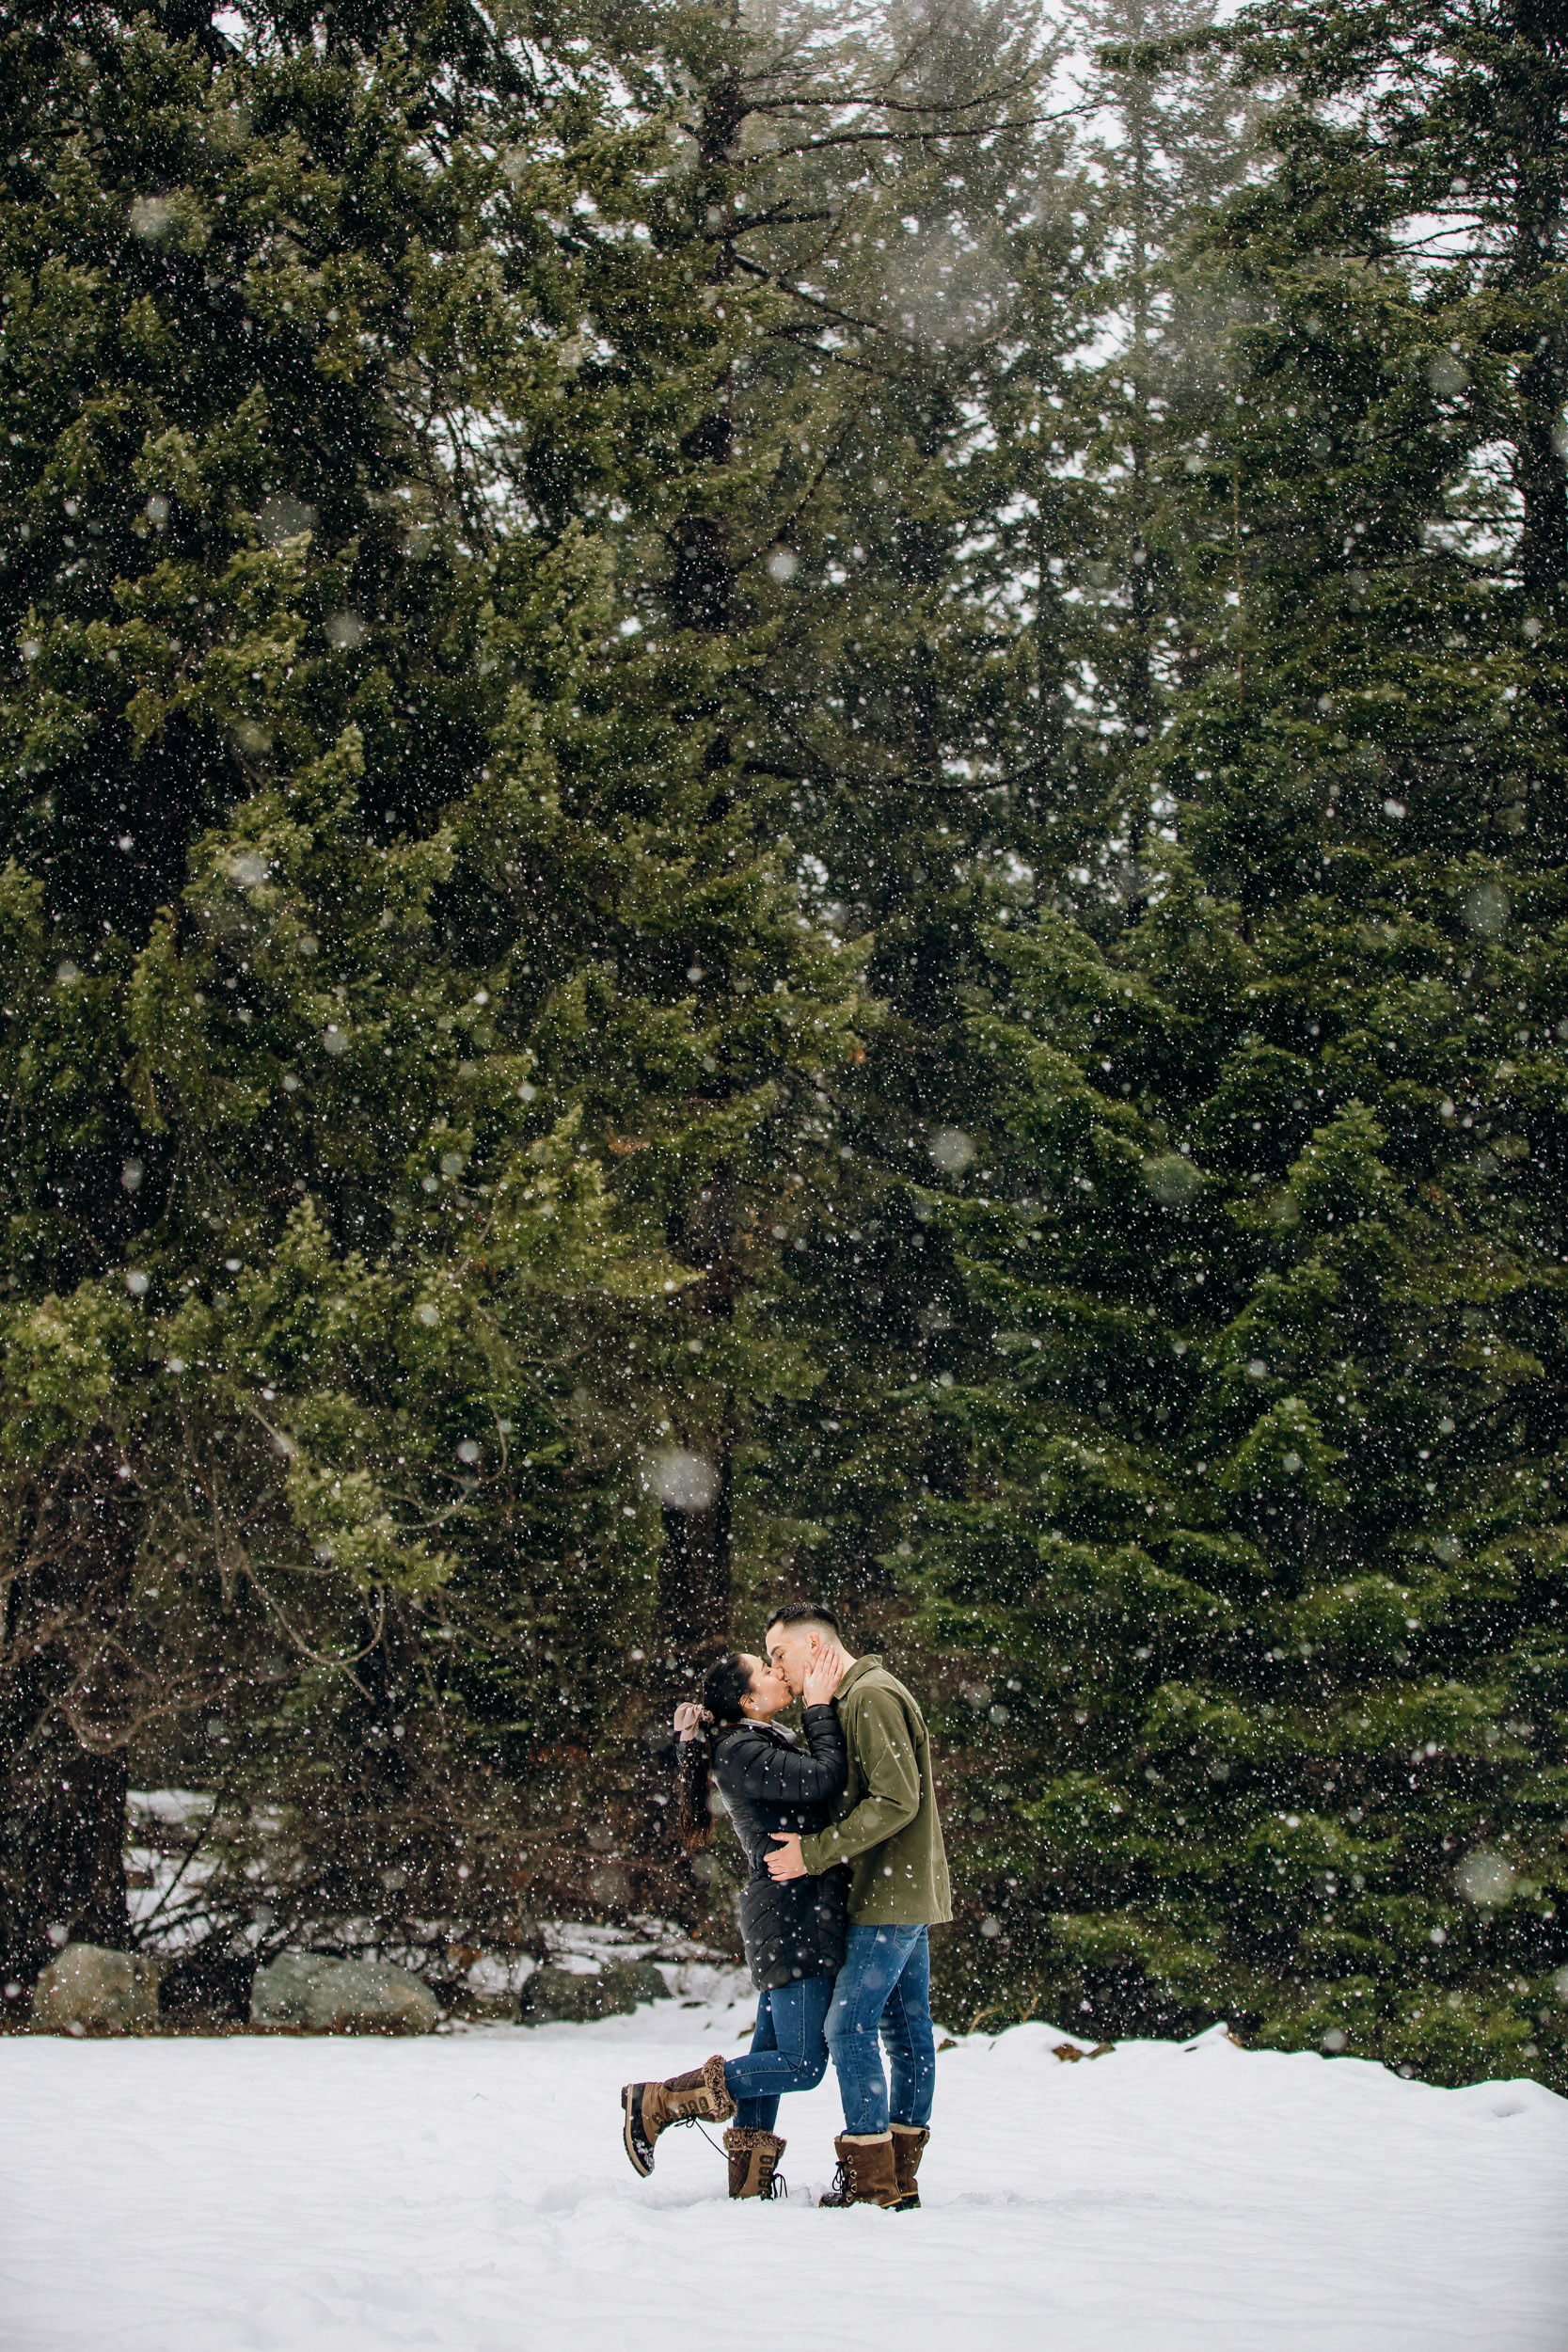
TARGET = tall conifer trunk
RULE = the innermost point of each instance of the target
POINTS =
(62, 1756)
(693, 1605)
(1541, 474)
(1140, 689)
(693, 1602)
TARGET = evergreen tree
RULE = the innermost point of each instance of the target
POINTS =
(886, 708)
(1103, 473)
(786, 603)
(1258, 1515)
(1023, 609)
(282, 1216)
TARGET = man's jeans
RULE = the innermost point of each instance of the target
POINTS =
(787, 2052)
(884, 1985)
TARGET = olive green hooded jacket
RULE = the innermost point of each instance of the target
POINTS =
(885, 1824)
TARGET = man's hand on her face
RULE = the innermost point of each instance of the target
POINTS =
(784, 1861)
(823, 1676)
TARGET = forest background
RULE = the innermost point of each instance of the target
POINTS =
(785, 814)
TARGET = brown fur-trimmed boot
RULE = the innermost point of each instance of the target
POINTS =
(867, 2172)
(908, 2146)
(754, 2162)
(649, 2109)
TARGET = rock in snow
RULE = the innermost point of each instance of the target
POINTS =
(342, 1997)
(555, 1997)
(90, 1990)
(469, 2192)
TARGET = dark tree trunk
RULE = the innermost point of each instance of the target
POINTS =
(693, 1605)
(694, 1600)
(694, 1571)
(701, 586)
(63, 1725)
(1542, 492)
(1537, 170)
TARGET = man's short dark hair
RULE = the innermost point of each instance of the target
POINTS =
(806, 1613)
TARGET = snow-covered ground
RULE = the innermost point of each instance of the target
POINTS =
(470, 2192)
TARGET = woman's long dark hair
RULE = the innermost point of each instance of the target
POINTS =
(724, 1685)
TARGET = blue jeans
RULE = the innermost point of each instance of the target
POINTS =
(884, 1986)
(788, 2052)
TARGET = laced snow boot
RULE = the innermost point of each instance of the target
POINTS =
(649, 2109)
(908, 2146)
(755, 2162)
(867, 2172)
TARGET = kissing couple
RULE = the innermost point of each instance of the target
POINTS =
(847, 1872)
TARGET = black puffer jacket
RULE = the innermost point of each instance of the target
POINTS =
(769, 1783)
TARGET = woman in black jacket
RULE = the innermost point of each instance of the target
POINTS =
(793, 1933)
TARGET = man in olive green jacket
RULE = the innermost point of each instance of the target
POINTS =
(886, 1832)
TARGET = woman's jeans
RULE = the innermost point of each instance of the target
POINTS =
(884, 1987)
(788, 2052)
